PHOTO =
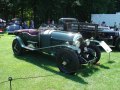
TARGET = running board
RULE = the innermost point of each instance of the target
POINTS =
(32, 49)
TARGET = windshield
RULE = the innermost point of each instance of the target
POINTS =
(67, 20)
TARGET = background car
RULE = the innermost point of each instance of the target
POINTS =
(100, 33)
(2, 25)
(12, 27)
(104, 28)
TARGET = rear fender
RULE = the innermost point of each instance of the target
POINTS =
(20, 41)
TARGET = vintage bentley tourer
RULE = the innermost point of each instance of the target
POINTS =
(69, 48)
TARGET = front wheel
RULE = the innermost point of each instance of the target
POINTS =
(67, 61)
(92, 54)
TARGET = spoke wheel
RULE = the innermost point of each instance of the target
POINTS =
(92, 55)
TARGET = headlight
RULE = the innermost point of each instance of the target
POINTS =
(76, 40)
(76, 43)
(87, 42)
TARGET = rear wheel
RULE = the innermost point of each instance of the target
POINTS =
(16, 47)
(67, 61)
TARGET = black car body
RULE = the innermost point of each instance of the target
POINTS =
(69, 48)
(88, 30)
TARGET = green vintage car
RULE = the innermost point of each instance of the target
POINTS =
(69, 48)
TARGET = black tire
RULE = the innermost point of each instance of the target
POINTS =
(93, 53)
(16, 47)
(118, 44)
(67, 61)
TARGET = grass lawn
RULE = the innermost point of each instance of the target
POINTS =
(39, 72)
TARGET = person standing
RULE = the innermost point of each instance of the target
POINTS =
(115, 26)
(31, 24)
(103, 24)
(24, 25)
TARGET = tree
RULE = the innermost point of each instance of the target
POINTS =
(41, 10)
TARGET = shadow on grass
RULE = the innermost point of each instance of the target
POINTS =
(87, 71)
(103, 66)
(110, 62)
(44, 61)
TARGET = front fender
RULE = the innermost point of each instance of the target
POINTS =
(20, 41)
(88, 42)
(95, 41)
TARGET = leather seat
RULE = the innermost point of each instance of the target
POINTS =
(30, 35)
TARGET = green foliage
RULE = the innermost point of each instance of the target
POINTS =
(41, 10)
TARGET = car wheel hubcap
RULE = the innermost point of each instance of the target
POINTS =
(64, 63)
(90, 55)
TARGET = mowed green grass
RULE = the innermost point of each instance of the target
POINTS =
(39, 72)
